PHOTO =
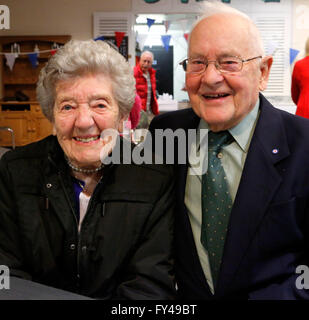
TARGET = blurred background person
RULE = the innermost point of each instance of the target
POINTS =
(145, 77)
(300, 84)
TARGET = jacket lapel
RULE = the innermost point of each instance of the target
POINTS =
(259, 183)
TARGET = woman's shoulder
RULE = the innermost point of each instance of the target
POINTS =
(33, 150)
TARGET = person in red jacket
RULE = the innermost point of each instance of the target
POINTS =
(300, 85)
(145, 77)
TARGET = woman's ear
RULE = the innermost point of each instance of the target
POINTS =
(265, 66)
(54, 129)
(121, 123)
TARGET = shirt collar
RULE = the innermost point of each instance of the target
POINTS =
(243, 131)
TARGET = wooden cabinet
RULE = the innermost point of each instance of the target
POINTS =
(27, 122)
(24, 117)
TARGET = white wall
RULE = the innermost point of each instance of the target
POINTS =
(57, 17)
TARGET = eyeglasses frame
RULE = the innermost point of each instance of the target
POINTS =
(184, 63)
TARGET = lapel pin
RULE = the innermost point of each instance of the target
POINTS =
(275, 151)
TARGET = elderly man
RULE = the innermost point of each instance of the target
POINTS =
(241, 228)
(145, 77)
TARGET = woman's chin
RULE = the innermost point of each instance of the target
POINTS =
(87, 163)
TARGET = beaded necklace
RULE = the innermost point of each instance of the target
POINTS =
(83, 170)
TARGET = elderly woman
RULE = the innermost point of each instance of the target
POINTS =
(67, 220)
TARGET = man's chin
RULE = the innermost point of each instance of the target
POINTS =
(216, 120)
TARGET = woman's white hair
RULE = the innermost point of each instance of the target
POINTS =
(78, 58)
(210, 8)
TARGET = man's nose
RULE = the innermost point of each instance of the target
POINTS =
(211, 73)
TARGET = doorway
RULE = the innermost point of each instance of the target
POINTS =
(163, 64)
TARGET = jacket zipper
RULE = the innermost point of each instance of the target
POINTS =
(92, 197)
(78, 232)
(76, 223)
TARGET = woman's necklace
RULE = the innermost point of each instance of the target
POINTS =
(83, 170)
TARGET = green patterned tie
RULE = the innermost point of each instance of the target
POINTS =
(216, 202)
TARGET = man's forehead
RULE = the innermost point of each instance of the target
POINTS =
(146, 56)
(219, 32)
(222, 24)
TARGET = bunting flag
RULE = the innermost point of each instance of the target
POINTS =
(150, 22)
(119, 36)
(33, 57)
(52, 52)
(166, 41)
(226, 1)
(167, 25)
(293, 54)
(99, 38)
(186, 35)
(141, 39)
(10, 60)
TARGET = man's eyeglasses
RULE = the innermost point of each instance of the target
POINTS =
(224, 64)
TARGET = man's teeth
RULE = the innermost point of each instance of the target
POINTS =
(215, 96)
(87, 139)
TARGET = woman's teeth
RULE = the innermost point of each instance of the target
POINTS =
(86, 139)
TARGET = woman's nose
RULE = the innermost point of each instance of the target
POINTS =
(84, 118)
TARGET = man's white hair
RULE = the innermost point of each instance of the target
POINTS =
(210, 8)
(148, 53)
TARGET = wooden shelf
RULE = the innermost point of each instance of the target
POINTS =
(28, 123)
(19, 102)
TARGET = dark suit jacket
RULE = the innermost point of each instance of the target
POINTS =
(269, 224)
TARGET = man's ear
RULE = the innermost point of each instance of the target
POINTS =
(265, 66)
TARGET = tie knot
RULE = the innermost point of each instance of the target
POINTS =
(216, 140)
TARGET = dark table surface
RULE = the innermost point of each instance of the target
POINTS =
(21, 289)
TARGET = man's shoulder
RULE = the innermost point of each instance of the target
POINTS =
(175, 119)
(272, 113)
(295, 124)
(281, 122)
